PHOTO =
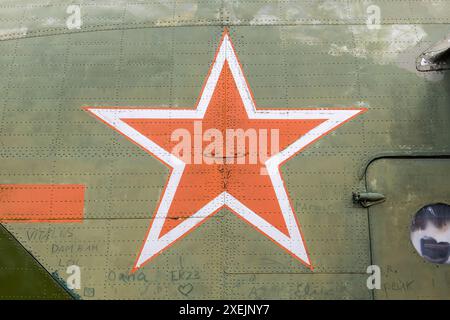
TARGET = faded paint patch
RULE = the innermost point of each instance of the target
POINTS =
(390, 41)
(266, 13)
(53, 22)
(383, 46)
(334, 9)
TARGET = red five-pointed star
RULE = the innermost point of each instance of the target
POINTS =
(200, 182)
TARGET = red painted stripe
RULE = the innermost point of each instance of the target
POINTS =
(41, 202)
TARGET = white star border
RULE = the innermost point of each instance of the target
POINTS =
(153, 243)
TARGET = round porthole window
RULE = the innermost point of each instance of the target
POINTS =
(430, 233)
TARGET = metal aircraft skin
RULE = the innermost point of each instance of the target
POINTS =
(94, 204)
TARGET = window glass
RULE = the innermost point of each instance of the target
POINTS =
(430, 233)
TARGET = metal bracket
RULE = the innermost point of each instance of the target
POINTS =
(435, 58)
(367, 199)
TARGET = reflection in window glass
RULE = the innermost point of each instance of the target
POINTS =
(430, 233)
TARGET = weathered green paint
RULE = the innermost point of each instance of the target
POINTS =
(294, 53)
(21, 276)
